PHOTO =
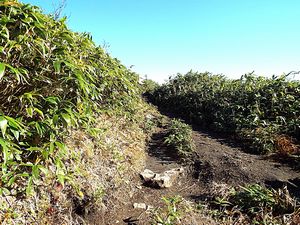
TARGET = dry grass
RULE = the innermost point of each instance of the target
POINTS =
(285, 145)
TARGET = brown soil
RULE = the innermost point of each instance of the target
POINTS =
(213, 162)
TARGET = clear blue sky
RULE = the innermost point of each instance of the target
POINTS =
(163, 37)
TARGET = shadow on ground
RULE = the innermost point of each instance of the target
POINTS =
(292, 185)
(221, 137)
(157, 148)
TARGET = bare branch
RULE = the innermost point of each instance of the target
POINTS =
(292, 74)
(58, 9)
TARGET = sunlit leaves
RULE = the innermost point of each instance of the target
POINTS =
(179, 137)
(52, 80)
(3, 125)
(2, 70)
(57, 66)
(255, 109)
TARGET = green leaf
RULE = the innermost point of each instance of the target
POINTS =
(43, 170)
(39, 128)
(35, 172)
(16, 72)
(45, 153)
(55, 119)
(60, 146)
(57, 66)
(61, 178)
(5, 150)
(3, 125)
(4, 191)
(32, 149)
(66, 118)
(11, 180)
(52, 100)
(51, 148)
(16, 134)
(29, 112)
(39, 112)
(24, 174)
(2, 70)
(13, 123)
(5, 32)
(29, 188)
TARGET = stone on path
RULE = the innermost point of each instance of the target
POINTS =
(147, 175)
(139, 206)
(142, 206)
(161, 180)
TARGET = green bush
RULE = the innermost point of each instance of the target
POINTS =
(149, 86)
(238, 106)
(179, 137)
(171, 213)
(253, 198)
(51, 80)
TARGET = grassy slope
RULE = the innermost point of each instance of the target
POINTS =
(67, 110)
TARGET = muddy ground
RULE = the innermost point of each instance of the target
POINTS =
(215, 161)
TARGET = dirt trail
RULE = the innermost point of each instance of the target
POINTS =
(213, 162)
(230, 165)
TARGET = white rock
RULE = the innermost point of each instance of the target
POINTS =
(139, 206)
(147, 175)
(162, 180)
(149, 117)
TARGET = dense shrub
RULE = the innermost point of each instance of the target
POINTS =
(179, 137)
(257, 109)
(148, 86)
(51, 79)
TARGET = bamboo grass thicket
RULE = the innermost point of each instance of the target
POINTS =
(51, 80)
(256, 109)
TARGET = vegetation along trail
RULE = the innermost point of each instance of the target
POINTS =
(80, 145)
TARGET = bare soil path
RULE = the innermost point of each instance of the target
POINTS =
(213, 162)
(231, 165)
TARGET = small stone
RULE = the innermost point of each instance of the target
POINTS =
(149, 117)
(163, 181)
(147, 175)
(139, 206)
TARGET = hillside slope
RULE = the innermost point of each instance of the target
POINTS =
(72, 122)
